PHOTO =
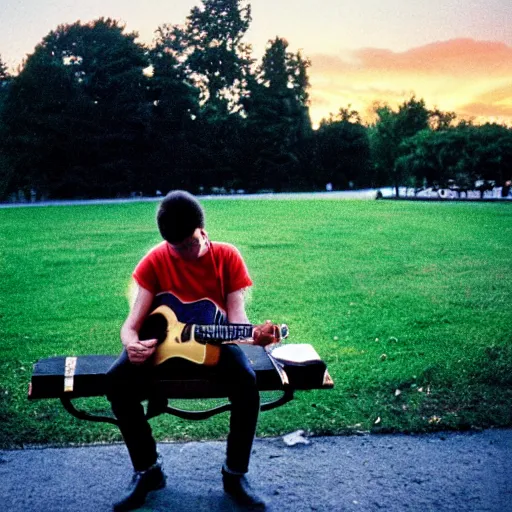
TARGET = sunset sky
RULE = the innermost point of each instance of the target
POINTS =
(455, 54)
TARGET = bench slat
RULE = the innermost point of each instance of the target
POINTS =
(49, 377)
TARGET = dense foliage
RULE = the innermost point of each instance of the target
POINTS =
(94, 113)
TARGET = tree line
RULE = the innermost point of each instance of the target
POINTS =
(94, 113)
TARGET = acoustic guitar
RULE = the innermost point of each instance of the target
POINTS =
(193, 331)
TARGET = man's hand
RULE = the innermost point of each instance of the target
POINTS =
(266, 334)
(140, 350)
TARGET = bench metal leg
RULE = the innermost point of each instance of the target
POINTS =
(82, 415)
(286, 397)
(185, 414)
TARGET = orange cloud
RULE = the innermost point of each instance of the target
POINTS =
(472, 78)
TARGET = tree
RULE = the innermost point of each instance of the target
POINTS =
(212, 57)
(345, 114)
(342, 151)
(388, 134)
(77, 113)
(210, 49)
(253, 120)
(34, 121)
(277, 116)
(5, 165)
(439, 120)
(491, 146)
(461, 155)
(174, 109)
(4, 75)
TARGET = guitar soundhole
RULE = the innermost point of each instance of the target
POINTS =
(155, 326)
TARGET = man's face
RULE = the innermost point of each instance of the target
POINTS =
(192, 247)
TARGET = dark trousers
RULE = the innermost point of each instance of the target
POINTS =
(129, 385)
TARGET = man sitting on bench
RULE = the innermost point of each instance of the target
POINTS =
(191, 268)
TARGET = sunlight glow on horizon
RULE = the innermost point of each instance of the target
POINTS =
(455, 59)
(471, 78)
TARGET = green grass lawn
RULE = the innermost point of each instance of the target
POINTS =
(408, 303)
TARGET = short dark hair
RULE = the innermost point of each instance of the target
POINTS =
(178, 216)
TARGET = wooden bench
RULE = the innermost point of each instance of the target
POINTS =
(287, 369)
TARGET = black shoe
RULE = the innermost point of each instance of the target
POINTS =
(239, 489)
(142, 483)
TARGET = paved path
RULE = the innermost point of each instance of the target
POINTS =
(341, 194)
(392, 473)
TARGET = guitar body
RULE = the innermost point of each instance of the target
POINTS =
(202, 311)
(171, 322)
(195, 330)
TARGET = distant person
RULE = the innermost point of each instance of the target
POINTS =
(191, 267)
(505, 190)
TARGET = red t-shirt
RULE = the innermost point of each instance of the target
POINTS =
(220, 271)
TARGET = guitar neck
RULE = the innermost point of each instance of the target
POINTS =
(216, 334)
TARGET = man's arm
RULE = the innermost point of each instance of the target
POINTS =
(263, 334)
(138, 351)
(235, 305)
